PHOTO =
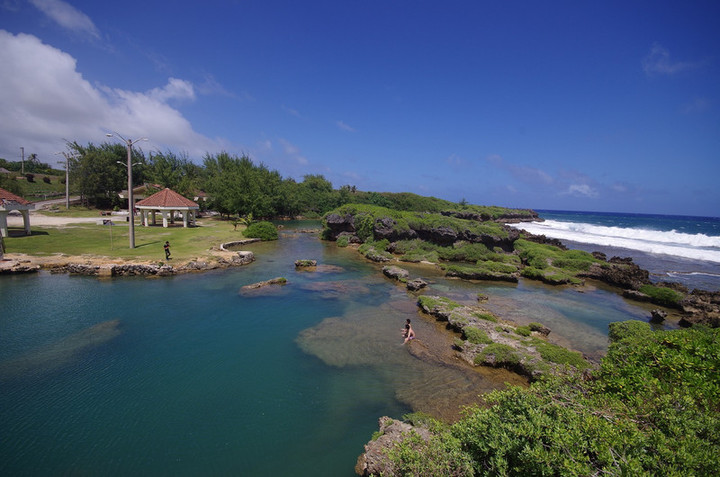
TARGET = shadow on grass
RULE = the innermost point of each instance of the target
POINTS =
(148, 244)
(21, 233)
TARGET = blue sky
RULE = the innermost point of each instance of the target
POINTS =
(602, 106)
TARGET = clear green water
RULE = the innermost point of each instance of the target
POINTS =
(188, 375)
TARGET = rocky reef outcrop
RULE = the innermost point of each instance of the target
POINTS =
(100, 268)
(701, 307)
(490, 341)
(386, 228)
(619, 272)
(374, 460)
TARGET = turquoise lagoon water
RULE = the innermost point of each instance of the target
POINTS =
(188, 375)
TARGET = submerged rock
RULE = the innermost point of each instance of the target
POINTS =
(304, 263)
(272, 281)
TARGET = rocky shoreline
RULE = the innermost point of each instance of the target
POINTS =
(107, 267)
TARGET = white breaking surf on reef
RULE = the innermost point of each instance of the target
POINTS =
(691, 246)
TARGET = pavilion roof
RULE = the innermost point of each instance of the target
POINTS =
(7, 197)
(167, 198)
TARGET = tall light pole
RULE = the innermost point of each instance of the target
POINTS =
(131, 205)
(67, 156)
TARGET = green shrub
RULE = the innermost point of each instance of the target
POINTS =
(441, 455)
(632, 330)
(262, 230)
(662, 296)
(476, 335)
(343, 241)
(650, 409)
(486, 316)
(431, 302)
(364, 226)
(552, 264)
(558, 354)
(523, 330)
(505, 355)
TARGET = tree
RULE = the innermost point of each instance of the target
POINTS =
(96, 173)
(173, 171)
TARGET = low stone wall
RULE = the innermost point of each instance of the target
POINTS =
(130, 269)
(224, 246)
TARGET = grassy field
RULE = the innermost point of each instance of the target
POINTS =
(40, 190)
(113, 242)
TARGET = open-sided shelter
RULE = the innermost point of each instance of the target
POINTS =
(167, 202)
(10, 202)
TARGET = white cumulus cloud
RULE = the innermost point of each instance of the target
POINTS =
(44, 99)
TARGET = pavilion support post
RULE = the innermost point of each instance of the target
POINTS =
(26, 221)
(3, 223)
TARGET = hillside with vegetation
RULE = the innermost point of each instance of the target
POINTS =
(651, 408)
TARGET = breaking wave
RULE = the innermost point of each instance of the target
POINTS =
(679, 244)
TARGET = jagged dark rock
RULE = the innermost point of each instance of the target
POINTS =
(542, 239)
(416, 284)
(619, 272)
(701, 307)
(657, 316)
(340, 223)
(542, 329)
(396, 273)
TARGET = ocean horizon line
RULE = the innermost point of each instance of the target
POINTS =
(628, 214)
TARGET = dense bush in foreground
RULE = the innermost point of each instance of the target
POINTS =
(652, 408)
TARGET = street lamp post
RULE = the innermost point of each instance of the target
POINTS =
(131, 206)
(67, 156)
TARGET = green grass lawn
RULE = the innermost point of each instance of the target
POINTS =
(91, 239)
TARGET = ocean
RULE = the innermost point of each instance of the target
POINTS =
(672, 248)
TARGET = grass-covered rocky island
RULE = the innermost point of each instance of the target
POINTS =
(649, 408)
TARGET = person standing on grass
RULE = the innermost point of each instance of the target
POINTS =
(167, 250)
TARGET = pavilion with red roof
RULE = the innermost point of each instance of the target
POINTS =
(167, 202)
(10, 202)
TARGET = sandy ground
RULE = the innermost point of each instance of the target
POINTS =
(49, 220)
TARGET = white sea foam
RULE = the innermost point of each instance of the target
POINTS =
(695, 247)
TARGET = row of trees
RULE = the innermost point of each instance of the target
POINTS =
(234, 185)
